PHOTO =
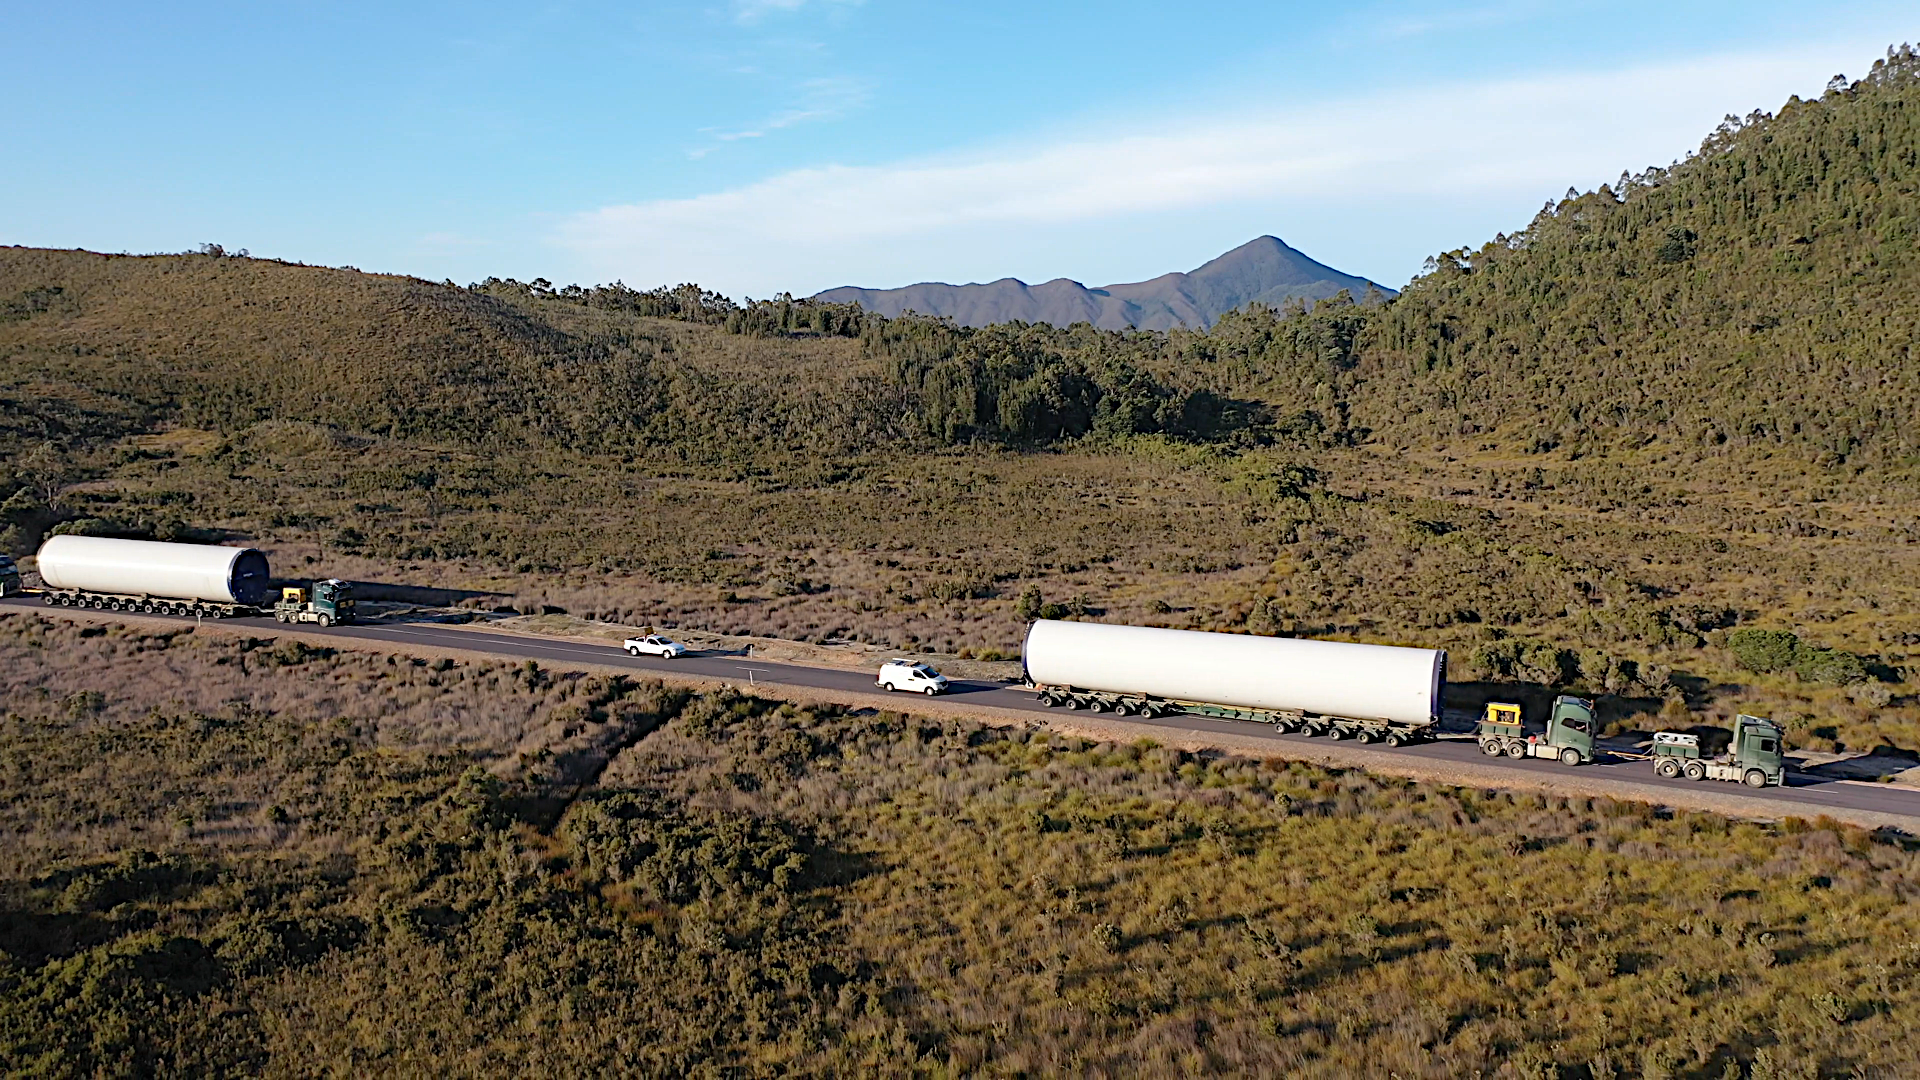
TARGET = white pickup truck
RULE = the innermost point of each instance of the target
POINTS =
(911, 677)
(655, 645)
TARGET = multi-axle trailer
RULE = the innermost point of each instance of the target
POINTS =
(1369, 693)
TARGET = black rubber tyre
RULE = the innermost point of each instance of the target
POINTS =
(325, 621)
(1490, 748)
(1393, 740)
(1096, 705)
(50, 600)
(1754, 778)
(1667, 767)
(1121, 708)
(1363, 736)
(1516, 749)
(1569, 756)
(1695, 771)
(1073, 703)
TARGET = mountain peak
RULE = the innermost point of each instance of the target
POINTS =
(1263, 270)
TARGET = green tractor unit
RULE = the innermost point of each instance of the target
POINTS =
(1568, 737)
(327, 603)
(9, 577)
(1754, 757)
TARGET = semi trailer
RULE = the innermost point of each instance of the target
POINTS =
(152, 577)
(9, 577)
(1344, 689)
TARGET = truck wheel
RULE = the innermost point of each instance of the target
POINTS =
(1755, 778)
(1569, 756)
(325, 621)
(1363, 736)
(1073, 703)
(1392, 740)
(1490, 748)
(1695, 771)
(1516, 749)
(49, 599)
(1667, 767)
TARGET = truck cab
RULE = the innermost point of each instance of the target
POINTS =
(1568, 736)
(327, 602)
(1755, 755)
(9, 577)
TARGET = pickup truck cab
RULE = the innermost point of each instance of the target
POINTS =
(655, 645)
(911, 677)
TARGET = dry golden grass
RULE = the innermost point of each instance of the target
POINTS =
(222, 857)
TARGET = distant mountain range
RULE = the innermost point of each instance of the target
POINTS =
(1265, 270)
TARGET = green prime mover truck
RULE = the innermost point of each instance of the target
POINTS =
(9, 577)
(328, 602)
(1568, 737)
(1754, 756)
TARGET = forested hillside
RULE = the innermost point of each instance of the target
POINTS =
(1669, 409)
(1761, 293)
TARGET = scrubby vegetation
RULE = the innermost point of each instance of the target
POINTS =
(227, 856)
(1601, 452)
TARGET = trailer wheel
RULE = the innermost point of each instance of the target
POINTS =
(49, 600)
(1695, 771)
(1121, 708)
(1392, 740)
(1755, 778)
(1569, 756)
(1313, 731)
(1073, 703)
(1363, 736)
(1516, 749)
(1667, 767)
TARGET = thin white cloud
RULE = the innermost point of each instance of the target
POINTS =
(749, 12)
(814, 227)
(827, 98)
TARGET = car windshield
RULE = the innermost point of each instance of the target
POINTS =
(922, 669)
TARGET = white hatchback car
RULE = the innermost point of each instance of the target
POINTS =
(911, 677)
(655, 645)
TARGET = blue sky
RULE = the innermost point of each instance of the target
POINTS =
(764, 145)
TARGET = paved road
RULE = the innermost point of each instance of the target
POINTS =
(1815, 793)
